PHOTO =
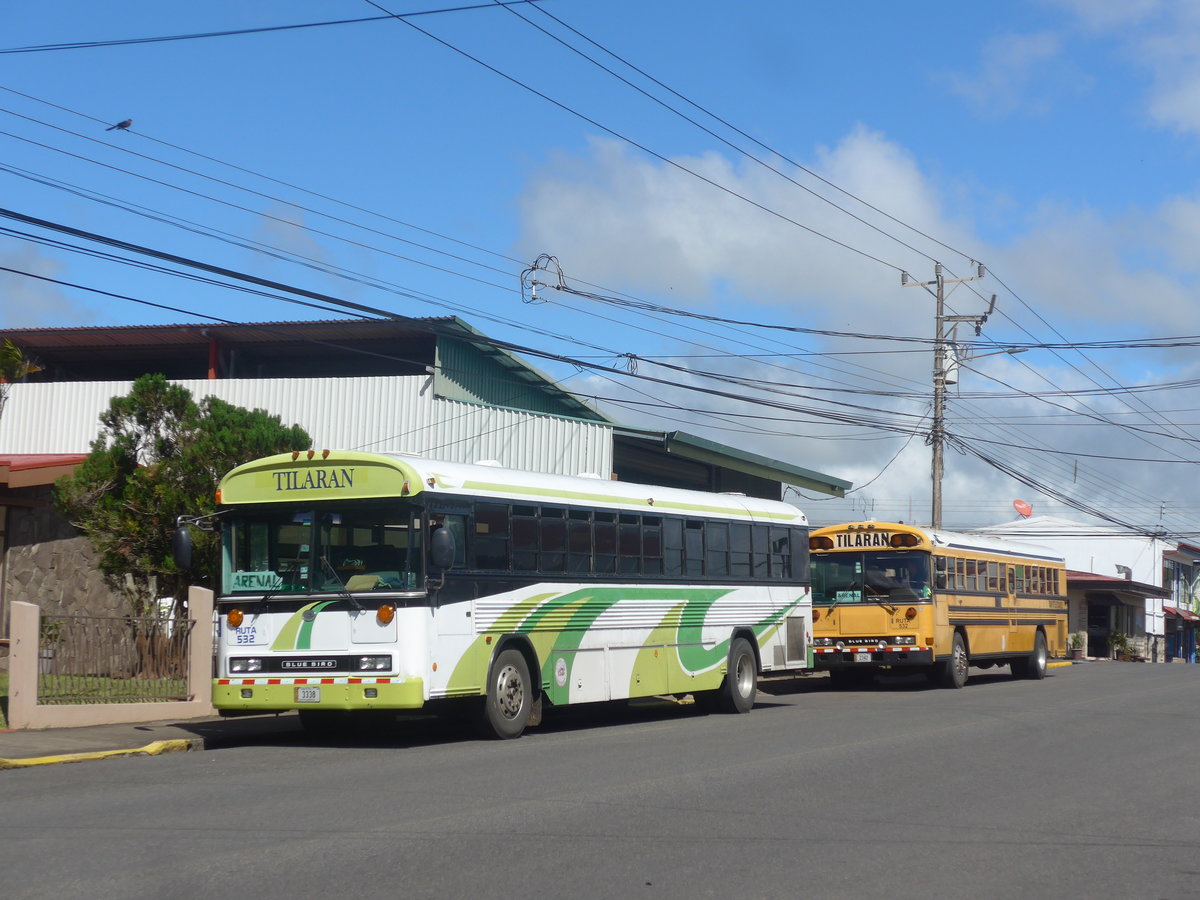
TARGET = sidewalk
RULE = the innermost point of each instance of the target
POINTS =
(36, 747)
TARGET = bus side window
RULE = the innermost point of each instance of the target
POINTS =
(939, 572)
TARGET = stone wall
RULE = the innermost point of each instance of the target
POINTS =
(52, 566)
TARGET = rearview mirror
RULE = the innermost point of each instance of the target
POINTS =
(181, 548)
(441, 549)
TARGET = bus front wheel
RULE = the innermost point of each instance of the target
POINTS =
(509, 700)
(954, 670)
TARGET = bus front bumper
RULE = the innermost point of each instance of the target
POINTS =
(832, 658)
(270, 694)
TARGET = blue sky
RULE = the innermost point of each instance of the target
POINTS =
(1055, 141)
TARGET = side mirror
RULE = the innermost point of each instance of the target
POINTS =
(181, 547)
(441, 549)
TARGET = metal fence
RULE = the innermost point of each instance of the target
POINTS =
(113, 659)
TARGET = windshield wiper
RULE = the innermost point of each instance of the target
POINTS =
(878, 601)
(341, 585)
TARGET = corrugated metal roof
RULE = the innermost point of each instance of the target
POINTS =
(379, 414)
(1116, 585)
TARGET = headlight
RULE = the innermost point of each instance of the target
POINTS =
(904, 639)
(822, 642)
(373, 663)
(245, 664)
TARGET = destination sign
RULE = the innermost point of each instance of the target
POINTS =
(850, 539)
(314, 479)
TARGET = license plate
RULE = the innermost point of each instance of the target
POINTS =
(862, 657)
(308, 694)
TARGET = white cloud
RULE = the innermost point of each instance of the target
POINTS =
(616, 219)
(1105, 14)
(283, 227)
(1013, 75)
(1160, 36)
(27, 302)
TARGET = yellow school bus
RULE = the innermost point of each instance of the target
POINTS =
(889, 597)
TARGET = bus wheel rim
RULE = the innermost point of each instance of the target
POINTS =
(510, 693)
(744, 675)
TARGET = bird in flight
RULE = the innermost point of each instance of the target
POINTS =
(121, 125)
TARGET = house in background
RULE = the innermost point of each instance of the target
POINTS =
(430, 387)
(1114, 581)
(1181, 574)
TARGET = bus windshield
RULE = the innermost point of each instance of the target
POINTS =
(354, 547)
(899, 577)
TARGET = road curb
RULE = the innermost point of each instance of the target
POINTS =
(156, 748)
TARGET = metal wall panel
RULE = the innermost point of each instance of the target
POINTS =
(371, 414)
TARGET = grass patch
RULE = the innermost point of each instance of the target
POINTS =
(61, 690)
(67, 689)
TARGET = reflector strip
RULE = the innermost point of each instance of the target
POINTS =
(901, 649)
(253, 681)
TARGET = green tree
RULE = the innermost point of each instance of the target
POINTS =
(159, 455)
(13, 367)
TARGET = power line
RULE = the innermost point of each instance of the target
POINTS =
(660, 157)
(125, 42)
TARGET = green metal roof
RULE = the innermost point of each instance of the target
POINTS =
(472, 368)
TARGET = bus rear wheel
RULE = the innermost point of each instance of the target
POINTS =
(737, 693)
(1032, 666)
(509, 700)
(954, 670)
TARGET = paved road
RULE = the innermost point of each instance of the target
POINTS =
(1082, 785)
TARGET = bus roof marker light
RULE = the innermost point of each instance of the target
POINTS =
(312, 453)
(910, 613)
(386, 614)
(235, 617)
(295, 454)
(325, 453)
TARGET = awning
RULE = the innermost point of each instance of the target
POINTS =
(18, 470)
(1186, 614)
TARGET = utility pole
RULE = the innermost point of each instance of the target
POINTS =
(941, 346)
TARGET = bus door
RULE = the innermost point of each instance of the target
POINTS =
(942, 583)
(1013, 612)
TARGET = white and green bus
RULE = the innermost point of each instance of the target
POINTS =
(356, 582)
